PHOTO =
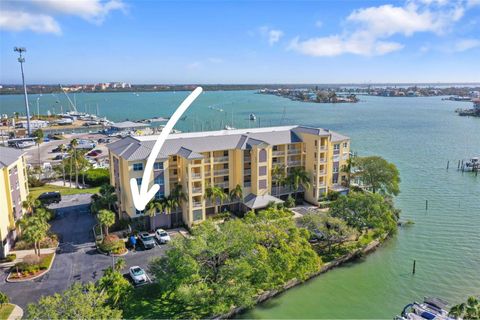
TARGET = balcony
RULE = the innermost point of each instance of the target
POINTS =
(221, 159)
(196, 190)
(247, 159)
(222, 172)
(247, 184)
(247, 172)
(323, 148)
(322, 160)
(279, 153)
(222, 184)
(196, 204)
(196, 175)
(208, 173)
(206, 160)
(322, 172)
(280, 190)
(294, 151)
(293, 163)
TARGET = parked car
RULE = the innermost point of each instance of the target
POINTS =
(61, 156)
(146, 240)
(138, 275)
(50, 197)
(94, 153)
(104, 140)
(162, 236)
(59, 148)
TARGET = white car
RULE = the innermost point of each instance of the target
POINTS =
(162, 236)
(138, 274)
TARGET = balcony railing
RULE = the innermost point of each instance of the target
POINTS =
(247, 172)
(220, 159)
(281, 190)
(222, 172)
(322, 160)
(323, 148)
(208, 173)
(196, 204)
(197, 190)
(222, 184)
(294, 151)
(322, 172)
(278, 153)
(247, 184)
(293, 163)
(196, 175)
(206, 161)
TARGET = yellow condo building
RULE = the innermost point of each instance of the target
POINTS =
(227, 158)
(13, 191)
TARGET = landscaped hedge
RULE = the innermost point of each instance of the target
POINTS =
(97, 177)
(50, 241)
(112, 244)
(31, 264)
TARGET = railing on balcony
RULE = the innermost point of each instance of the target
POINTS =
(247, 184)
(196, 175)
(282, 190)
(222, 184)
(322, 172)
(323, 148)
(220, 159)
(247, 172)
(293, 163)
(197, 190)
(278, 153)
(247, 159)
(206, 161)
(222, 172)
(196, 204)
(294, 151)
(208, 173)
(322, 160)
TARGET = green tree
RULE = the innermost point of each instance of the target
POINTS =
(63, 149)
(236, 194)
(348, 169)
(278, 176)
(468, 310)
(364, 211)
(38, 134)
(178, 196)
(114, 284)
(80, 301)
(108, 196)
(30, 204)
(215, 195)
(73, 161)
(3, 299)
(378, 174)
(153, 207)
(34, 229)
(106, 219)
(298, 177)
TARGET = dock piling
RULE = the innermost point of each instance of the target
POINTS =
(426, 204)
(414, 265)
(448, 164)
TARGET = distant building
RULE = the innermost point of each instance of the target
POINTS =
(13, 191)
(34, 124)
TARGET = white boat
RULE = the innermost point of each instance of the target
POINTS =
(472, 164)
(430, 309)
(252, 117)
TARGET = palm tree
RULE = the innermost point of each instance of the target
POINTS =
(120, 264)
(62, 150)
(106, 219)
(74, 144)
(348, 168)
(237, 194)
(84, 165)
(278, 176)
(152, 208)
(108, 197)
(298, 177)
(38, 134)
(30, 204)
(214, 193)
(178, 195)
(34, 230)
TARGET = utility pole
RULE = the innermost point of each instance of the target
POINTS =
(21, 59)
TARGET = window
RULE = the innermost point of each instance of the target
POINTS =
(138, 166)
(336, 146)
(335, 169)
(262, 157)
(138, 212)
(174, 158)
(316, 143)
(345, 144)
(262, 171)
(335, 179)
(225, 153)
(225, 166)
(262, 184)
(158, 166)
(174, 172)
(159, 195)
(159, 180)
(275, 148)
(139, 181)
(225, 178)
(197, 215)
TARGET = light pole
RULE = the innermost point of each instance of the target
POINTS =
(21, 59)
(38, 109)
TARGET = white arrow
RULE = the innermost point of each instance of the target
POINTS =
(143, 196)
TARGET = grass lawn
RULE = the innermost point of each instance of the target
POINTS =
(147, 302)
(35, 192)
(5, 311)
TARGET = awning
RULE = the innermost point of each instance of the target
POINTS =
(253, 201)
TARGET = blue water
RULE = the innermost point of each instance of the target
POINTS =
(418, 134)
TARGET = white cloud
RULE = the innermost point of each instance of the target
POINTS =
(318, 23)
(273, 35)
(367, 30)
(466, 44)
(17, 21)
(39, 15)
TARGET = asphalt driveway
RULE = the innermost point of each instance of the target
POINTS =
(76, 259)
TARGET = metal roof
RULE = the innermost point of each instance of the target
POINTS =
(190, 145)
(128, 125)
(9, 156)
(253, 201)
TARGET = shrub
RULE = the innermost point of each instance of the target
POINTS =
(3, 298)
(31, 259)
(97, 177)
(10, 257)
(34, 182)
(113, 244)
(290, 202)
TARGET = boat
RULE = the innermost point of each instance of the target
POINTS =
(430, 309)
(227, 127)
(252, 117)
(472, 165)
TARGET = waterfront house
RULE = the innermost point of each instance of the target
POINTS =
(228, 158)
(13, 191)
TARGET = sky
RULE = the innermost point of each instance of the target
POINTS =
(239, 42)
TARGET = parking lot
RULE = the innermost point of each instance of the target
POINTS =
(77, 258)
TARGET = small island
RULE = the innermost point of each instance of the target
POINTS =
(311, 95)
(474, 112)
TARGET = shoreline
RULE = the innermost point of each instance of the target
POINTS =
(265, 296)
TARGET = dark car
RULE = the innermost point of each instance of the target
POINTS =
(50, 197)
(146, 240)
